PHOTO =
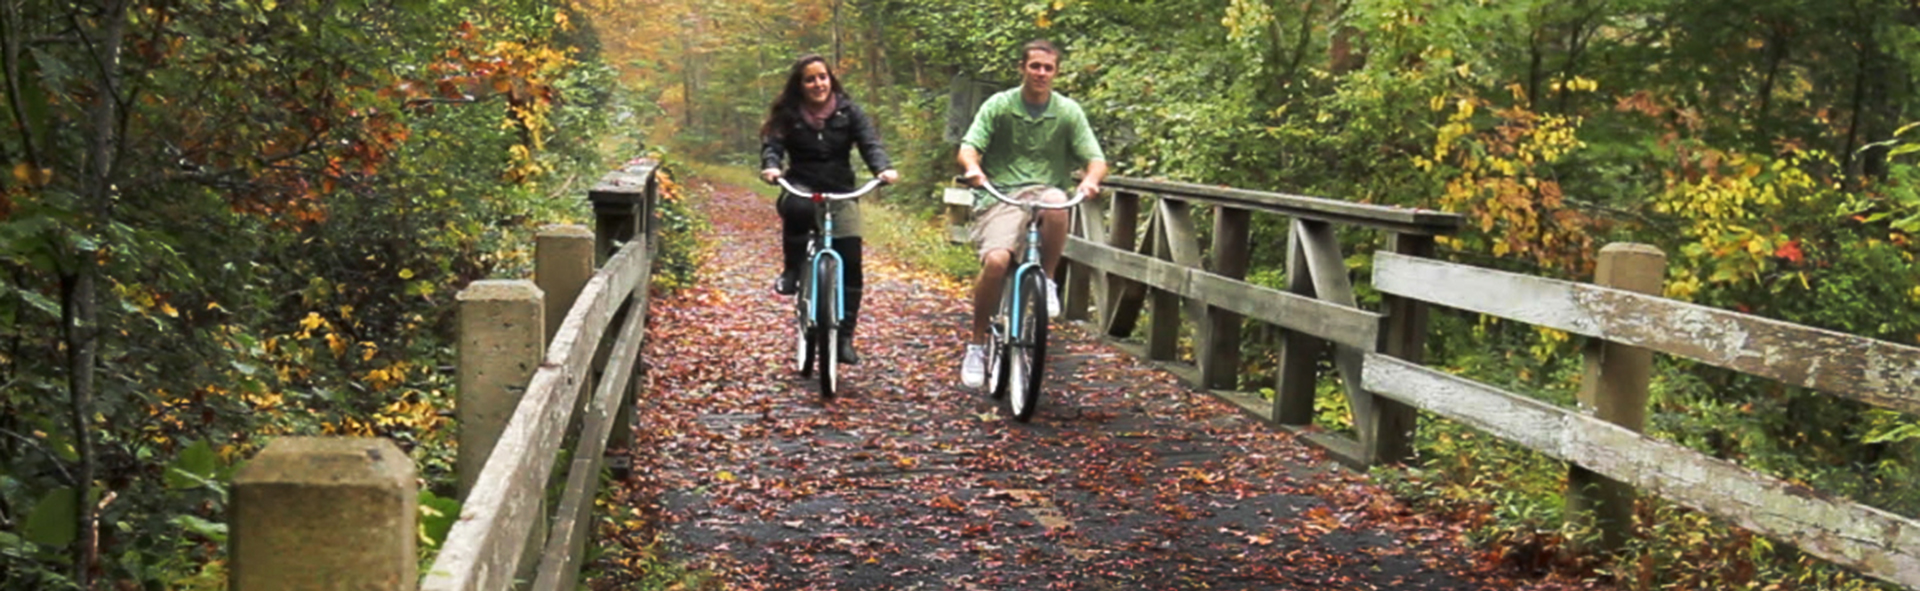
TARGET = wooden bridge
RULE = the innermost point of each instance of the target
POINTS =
(550, 368)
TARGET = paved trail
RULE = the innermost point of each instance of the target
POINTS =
(1125, 479)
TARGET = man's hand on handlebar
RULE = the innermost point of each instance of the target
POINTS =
(1088, 190)
(972, 178)
(769, 175)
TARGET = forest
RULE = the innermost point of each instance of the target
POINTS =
(223, 221)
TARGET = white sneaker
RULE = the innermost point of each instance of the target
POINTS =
(973, 370)
(1053, 299)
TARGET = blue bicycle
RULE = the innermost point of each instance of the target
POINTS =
(821, 304)
(1017, 353)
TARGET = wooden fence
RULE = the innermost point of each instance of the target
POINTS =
(341, 513)
(1115, 274)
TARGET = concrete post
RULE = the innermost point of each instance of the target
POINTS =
(325, 513)
(500, 345)
(1615, 388)
(562, 265)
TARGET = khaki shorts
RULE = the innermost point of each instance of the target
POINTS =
(1004, 227)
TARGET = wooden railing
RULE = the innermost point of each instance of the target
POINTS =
(1378, 355)
(1119, 274)
(341, 513)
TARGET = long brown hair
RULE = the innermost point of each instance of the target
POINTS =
(786, 107)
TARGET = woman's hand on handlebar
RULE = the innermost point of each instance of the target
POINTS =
(769, 175)
(889, 176)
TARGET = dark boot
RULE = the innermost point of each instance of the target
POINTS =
(847, 354)
(793, 256)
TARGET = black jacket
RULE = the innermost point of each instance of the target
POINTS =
(819, 157)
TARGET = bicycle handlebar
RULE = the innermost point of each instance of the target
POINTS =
(823, 196)
(984, 184)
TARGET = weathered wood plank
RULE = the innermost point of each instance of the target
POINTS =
(1219, 354)
(1183, 248)
(1869, 540)
(1321, 319)
(1321, 249)
(1123, 224)
(1173, 242)
(483, 549)
(1296, 376)
(1872, 371)
(1398, 219)
(573, 520)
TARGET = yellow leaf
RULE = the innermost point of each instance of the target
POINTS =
(725, 476)
(406, 273)
(166, 308)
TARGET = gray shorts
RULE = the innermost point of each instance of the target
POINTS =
(1004, 227)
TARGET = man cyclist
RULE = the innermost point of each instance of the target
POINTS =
(1027, 141)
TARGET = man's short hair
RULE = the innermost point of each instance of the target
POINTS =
(1038, 45)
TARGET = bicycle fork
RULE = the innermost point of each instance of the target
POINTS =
(1014, 295)
(824, 248)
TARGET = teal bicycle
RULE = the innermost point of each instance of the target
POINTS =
(821, 303)
(1017, 350)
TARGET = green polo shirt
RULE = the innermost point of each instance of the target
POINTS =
(1018, 150)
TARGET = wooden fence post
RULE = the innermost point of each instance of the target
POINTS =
(959, 210)
(325, 513)
(1122, 309)
(1163, 329)
(1405, 337)
(1614, 387)
(1219, 354)
(501, 342)
(623, 205)
(1296, 375)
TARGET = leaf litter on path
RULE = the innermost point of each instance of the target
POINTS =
(1125, 479)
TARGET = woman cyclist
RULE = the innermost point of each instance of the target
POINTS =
(812, 127)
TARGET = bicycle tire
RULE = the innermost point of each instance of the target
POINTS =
(996, 352)
(1027, 349)
(827, 327)
(803, 329)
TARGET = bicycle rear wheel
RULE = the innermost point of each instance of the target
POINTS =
(1026, 356)
(827, 326)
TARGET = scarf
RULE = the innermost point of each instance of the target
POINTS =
(817, 116)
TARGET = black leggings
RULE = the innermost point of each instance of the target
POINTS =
(797, 226)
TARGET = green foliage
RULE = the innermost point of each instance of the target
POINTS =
(276, 212)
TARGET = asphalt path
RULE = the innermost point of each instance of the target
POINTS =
(1125, 479)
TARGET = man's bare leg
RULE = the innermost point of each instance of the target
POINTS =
(986, 292)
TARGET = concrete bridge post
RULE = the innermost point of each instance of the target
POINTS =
(501, 342)
(325, 513)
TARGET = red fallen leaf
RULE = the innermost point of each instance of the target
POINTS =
(1789, 250)
(947, 502)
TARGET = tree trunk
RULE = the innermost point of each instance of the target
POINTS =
(79, 308)
(1344, 53)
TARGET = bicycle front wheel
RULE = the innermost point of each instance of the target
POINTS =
(1026, 356)
(803, 353)
(827, 326)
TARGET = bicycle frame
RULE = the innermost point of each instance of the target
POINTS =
(823, 217)
(1029, 259)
